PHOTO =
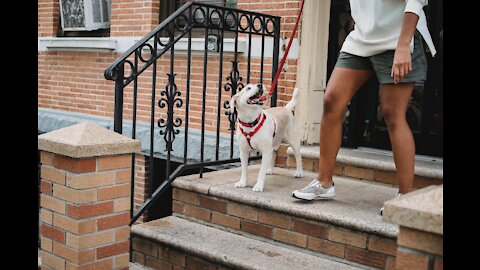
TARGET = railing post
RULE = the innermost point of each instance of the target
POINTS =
(118, 114)
(276, 50)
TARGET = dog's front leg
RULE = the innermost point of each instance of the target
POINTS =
(244, 160)
(266, 162)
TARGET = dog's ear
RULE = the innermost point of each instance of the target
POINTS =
(232, 102)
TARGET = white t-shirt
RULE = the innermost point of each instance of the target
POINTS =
(378, 24)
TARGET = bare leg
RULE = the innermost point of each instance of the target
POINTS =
(343, 84)
(394, 100)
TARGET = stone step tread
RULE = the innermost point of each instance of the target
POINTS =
(356, 205)
(229, 249)
(427, 168)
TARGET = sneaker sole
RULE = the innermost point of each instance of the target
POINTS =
(326, 196)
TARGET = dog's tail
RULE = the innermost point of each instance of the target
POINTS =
(293, 102)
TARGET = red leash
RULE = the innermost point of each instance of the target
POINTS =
(279, 70)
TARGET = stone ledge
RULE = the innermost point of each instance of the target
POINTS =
(421, 210)
(86, 140)
(432, 169)
(229, 249)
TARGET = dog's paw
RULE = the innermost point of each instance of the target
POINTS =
(269, 171)
(257, 188)
(241, 184)
(298, 174)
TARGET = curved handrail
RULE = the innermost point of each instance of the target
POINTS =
(109, 72)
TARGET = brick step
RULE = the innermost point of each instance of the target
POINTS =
(348, 227)
(376, 167)
(173, 242)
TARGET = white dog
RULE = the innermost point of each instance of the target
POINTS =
(264, 130)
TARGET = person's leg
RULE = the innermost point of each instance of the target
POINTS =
(341, 87)
(394, 101)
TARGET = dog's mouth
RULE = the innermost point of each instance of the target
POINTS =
(257, 99)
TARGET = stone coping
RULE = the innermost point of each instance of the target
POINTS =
(356, 205)
(432, 169)
(232, 250)
(421, 210)
(86, 140)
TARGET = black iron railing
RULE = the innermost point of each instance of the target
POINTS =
(158, 45)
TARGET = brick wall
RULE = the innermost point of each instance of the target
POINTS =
(73, 81)
(48, 17)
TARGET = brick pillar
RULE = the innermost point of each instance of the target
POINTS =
(420, 238)
(85, 198)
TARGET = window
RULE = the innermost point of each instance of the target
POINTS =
(84, 18)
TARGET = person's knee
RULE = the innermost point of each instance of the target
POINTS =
(392, 115)
(331, 106)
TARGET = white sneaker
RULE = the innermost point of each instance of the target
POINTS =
(313, 190)
(381, 209)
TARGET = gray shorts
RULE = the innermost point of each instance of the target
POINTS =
(382, 63)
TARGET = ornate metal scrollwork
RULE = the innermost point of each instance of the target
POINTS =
(233, 84)
(170, 98)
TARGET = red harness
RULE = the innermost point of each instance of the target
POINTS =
(258, 123)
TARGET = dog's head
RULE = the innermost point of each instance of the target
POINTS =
(250, 99)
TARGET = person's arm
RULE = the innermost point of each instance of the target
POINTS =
(402, 61)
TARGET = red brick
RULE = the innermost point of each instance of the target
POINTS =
(90, 210)
(118, 191)
(257, 229)
(226, 220)
(383, 245)
(212, 204)
(46, 187)
(97, 265)
(52, 174)
(52, 233)
(274, 219)
(76, 165)
(309, 228)
(185, 196)
(76, 256)
(46, 158)
(326, 247)
(365, 257)
(197, 212)
(289, 237)
(113, 221)
(114, 162)
(177, 206)
(411, 261)
(113, 249)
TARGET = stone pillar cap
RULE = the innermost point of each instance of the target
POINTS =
(421, 209)
(86, 140)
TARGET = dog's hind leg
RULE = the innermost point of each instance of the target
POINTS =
(272, 163)
(294, 141)
(266, 161)
(298, 159)
(244, 160)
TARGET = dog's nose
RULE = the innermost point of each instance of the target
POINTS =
(260, 87)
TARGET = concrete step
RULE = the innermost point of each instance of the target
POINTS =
(372, 165)
(348, 227)
(173, 241)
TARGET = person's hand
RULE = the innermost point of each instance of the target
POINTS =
(402, 63)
